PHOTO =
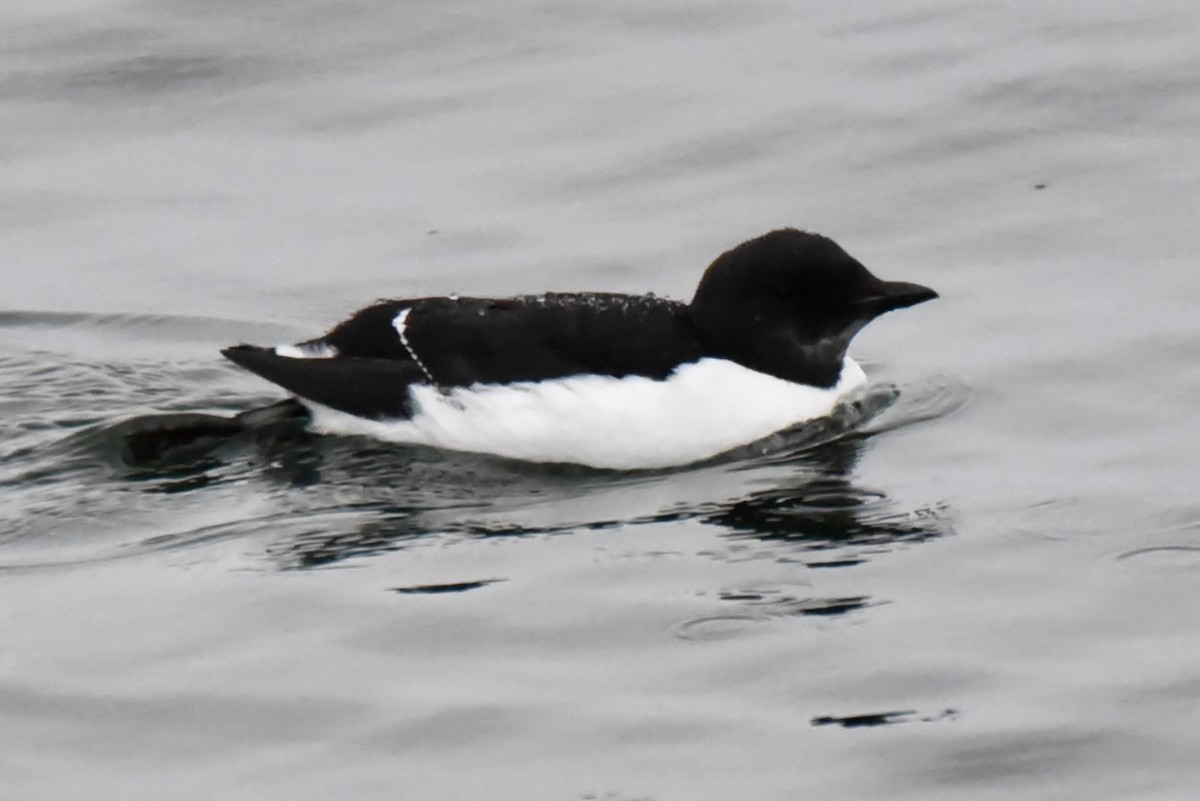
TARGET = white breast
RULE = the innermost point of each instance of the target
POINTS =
(702, 409)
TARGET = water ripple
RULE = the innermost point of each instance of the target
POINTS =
(1163, 557)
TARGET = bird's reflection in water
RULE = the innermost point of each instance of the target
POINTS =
(826, 509)
(793, 495)
(329, 499)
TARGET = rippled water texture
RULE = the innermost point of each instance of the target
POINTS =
(979, 582)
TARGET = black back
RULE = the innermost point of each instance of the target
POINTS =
(462, 341)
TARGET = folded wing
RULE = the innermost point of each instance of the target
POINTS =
(365, 365)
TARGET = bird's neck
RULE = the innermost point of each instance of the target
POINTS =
(779, 351)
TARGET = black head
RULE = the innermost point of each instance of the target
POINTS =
(789, 302)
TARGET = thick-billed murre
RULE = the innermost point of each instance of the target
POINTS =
(608, 380)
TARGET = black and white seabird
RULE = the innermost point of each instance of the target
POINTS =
(602, 379)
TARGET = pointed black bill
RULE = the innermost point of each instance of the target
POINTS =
(891, 295)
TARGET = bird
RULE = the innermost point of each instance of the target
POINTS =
(606, 380)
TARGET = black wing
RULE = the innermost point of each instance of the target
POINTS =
(454, 342)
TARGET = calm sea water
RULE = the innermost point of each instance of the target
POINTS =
(986, 588)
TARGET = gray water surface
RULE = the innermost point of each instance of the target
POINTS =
(982, 587)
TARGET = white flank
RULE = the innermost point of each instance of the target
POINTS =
(702, 409)
(316, 350)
